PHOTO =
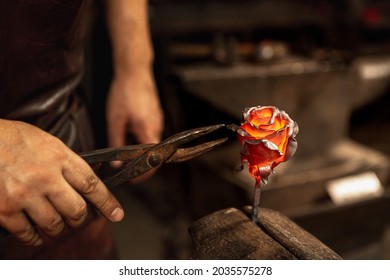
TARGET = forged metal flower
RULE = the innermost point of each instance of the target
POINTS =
(267, 138)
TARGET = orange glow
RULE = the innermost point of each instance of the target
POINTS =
(267, 138)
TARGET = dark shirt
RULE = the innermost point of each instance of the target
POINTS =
(41, 57)
(41, 65)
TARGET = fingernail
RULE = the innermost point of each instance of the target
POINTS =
(117, 215)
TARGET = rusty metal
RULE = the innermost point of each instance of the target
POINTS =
(168, 150)
(142, 158)
(124, 153)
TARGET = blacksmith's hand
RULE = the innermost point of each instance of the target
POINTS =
(43, 182)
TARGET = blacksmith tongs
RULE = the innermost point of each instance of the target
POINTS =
(144, 157)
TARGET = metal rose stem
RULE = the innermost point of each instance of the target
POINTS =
(256, 202)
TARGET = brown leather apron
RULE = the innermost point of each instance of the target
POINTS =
(41, 65)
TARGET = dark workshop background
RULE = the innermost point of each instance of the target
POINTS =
(326, 63)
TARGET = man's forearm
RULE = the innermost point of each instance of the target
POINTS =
(133, 105)
(128, 27)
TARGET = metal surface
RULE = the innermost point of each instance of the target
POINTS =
(167, 151)
(125, 153)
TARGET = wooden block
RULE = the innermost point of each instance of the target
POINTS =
(230, 234)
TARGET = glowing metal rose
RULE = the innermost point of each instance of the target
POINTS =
(267, 138)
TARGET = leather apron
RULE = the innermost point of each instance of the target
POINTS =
(41, 65)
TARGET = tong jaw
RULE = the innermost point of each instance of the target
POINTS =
(166, 152)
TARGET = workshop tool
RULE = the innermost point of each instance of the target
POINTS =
(230, 234)
(145, 157)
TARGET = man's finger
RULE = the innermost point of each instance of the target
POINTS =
(19, 226)
(45, 216)
(116, 129)
(69, 204)
(116, 137)
(81, 177)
